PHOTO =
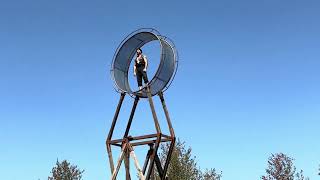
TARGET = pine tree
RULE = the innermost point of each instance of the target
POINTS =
(280, 167)
(65, 171)
(183, 165)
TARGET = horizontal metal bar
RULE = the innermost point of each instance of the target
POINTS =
(144, 142)
(133, 138)
(116, 144)
(149, 142)
(166, 136)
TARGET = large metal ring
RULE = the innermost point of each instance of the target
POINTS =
(125, 53)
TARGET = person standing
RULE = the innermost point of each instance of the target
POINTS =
(140, 68)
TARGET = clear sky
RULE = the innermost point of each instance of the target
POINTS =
(247, 86)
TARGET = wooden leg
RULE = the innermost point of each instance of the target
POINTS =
(136, 163)
(115, 172)
(127, 164)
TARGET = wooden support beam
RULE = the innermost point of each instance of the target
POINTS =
(136, 163)
(158, 165)
(127, 164)
(115, 172)
(115, 118)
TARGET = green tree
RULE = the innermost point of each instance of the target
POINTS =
(65, 171)
(211, 175)
(280, 167)
(183, 165)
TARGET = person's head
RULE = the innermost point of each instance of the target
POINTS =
(139, 51)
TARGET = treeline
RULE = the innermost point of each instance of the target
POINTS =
(183, 166)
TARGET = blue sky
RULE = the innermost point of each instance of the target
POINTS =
(247, 84)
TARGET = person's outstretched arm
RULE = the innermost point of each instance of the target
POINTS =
(146, 62)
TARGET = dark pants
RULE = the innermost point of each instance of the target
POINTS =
(141, 74)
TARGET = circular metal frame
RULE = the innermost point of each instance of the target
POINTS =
(125, 52)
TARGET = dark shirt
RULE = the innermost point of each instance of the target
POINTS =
(140, 62)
